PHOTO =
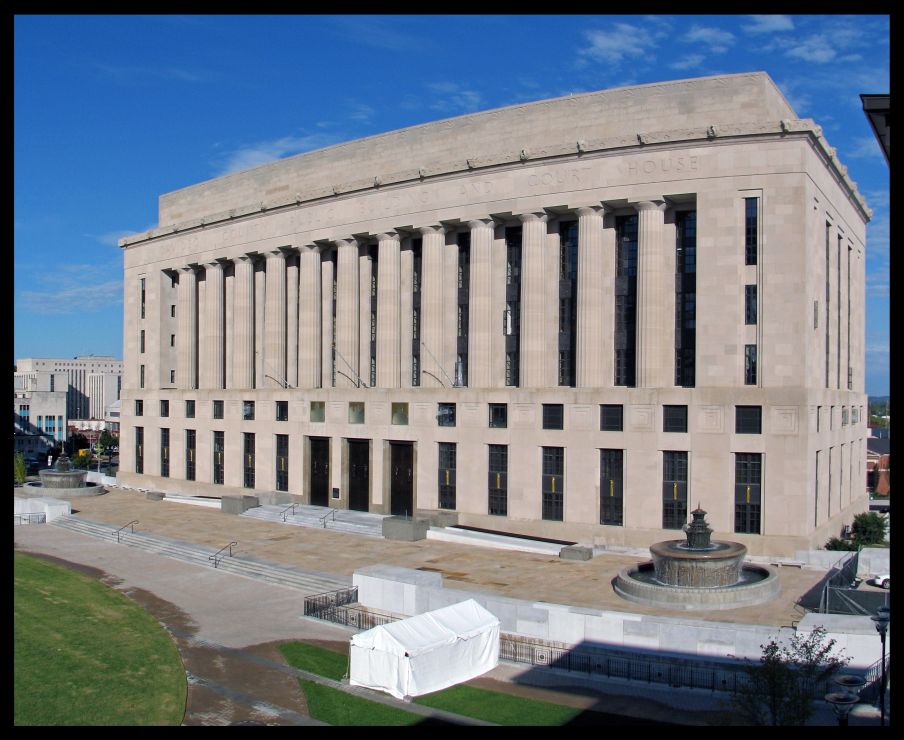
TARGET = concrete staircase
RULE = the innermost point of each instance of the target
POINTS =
(309, 582)
(322, 517)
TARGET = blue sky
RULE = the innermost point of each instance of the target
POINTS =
(112, 111)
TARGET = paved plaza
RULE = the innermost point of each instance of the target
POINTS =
(227, 625)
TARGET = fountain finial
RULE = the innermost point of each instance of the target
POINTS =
(698, 531)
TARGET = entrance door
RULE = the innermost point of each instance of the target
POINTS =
(359, 474)
(320, 471)
(401, 499)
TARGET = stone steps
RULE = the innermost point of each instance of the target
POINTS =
(344, 520)
(309, 582)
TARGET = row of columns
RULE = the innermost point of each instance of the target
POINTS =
(301, 325)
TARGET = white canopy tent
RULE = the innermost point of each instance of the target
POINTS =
(427, 652)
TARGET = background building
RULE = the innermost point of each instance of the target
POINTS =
(93, 381)
(39, 411)
(572, 319)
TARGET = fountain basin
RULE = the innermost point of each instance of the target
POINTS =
(719, 564)
(35, 488)
(755, 585)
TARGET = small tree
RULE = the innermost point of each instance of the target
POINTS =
(780, 689)
(868, 529)
(836, 543)
(20, 469)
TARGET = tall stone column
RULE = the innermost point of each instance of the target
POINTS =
(214, 367)
(292, 321)
(482, 323)
(327, 335)
(274, 350)
(534, 278)
(589, 358)
(433, 239)
(309, 328)
(347, 368)
(450, 306)
(388, 327)
(654, 291)
(406, 317)
(187, 341)
(243, 324)
(365, 273)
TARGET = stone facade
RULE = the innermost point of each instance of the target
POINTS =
(382, 303)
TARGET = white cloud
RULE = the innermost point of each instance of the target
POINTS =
(267, 151)
(624, 40)
(796, 98)
(453, 98)
(688, 62)
(360, 112)
(769, 24)
(816, 48)
(716, 40)
(71, 299)
(865, 147)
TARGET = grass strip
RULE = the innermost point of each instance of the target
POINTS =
(496, 707)
(339, 708)
(314, 659)
(85, 654)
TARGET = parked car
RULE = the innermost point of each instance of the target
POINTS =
(883, 581)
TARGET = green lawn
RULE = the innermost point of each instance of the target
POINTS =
(85, 654)
(338, 708)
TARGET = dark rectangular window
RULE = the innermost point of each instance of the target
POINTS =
(498, 415)
(850, 370)
(611, 417)
(141, 376)
(248, 460)
(142, 295)
(625, 299)
(164, 408)
(512, 315)
(828, 295)
(219, 449)
(217, 409)
(685, 298)
(497, 485)
(282, 462)
(611, 487)
(282, 410)
(751, 230)
(749, 364)
(141, 341)
(748, 474)
(139, 407)
(139, 449)
(445, 415)
(446, 475)
(553, 416)
(750, 304)
(189, 409)
(568, 305)
(464, 280)
(189, 454)
(553, 483)
(748, 419)
(416, 249)
(674, 489)
(164, 453)
(248, 410)
(674, 418)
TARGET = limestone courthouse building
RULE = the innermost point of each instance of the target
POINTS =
(577, 319)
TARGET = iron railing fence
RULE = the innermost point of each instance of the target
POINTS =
(39, 517)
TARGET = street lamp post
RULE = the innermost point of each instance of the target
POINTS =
(882, 618)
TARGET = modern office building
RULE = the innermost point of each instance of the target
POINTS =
(93, 381)
(39, 411)
(577, 318)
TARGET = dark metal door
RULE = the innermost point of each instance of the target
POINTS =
(401, 498)
(359, 474)
(320, 471)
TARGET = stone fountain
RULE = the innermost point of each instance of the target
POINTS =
(62, 481)
(697, 573)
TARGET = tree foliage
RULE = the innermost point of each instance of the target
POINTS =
(868, 529)
(781, 688)
(20, 469)
(836, 543)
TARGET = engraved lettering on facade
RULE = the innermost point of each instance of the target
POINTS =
(568, 178)
(661, 165)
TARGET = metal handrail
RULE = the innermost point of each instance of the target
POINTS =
(330, 513)
(283, 512)
(35, 517)
(217, 560)
(130, 524)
